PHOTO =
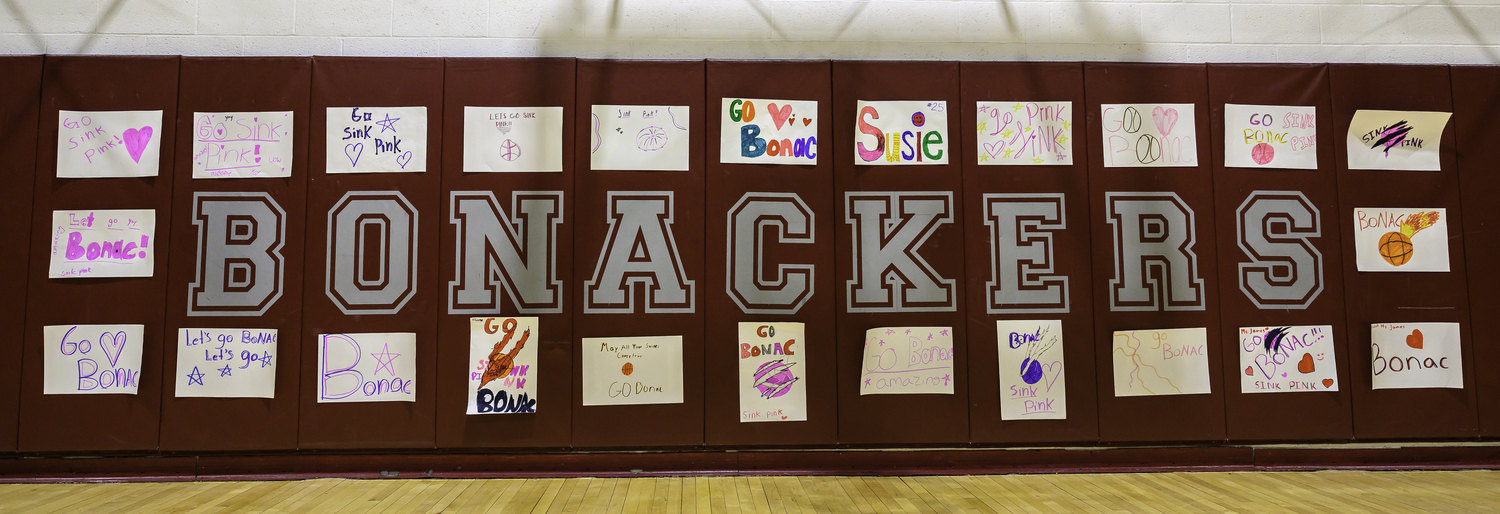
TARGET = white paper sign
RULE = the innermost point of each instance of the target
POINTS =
(1161, 362)
(1400, 239)
(632, 370)
(901, 132)
(103, 243)
(1416, 355)
(907, 360)
(1287, 359)
(1161, 135)
(92, 359)
(1270, 136)
(226, 363)
(1025, 133)
(760, 131)
(1032, 382)
(367, 368)
(513, 139)
(639, 138)
(502, 365)
(772, 373)
(242, 144)
(377, 139)
(1396, 140)
(94, 144)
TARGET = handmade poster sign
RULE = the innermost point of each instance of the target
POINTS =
(902, 132)
(1270, 136)
(102, 243)
(242, 144)
(639, 138)
(1416, 355)
(772, 372)
(632, 370)
(1287, 359)
(1401, 239)
(1137, 135)
(1026, 133)
(1031, 370)
(377, 139)
(98, 144)
(226, 363)
(760, 131)
(907, 360)
(1396, 140)
(367, 368)
(1161, 362)
(92, 359)
(502, 365)
(513, 139)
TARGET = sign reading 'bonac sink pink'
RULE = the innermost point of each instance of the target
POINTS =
(95, 144)
(1149, 135)
(901, 133)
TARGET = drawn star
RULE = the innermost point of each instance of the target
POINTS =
(1008, 151)
(984, 158)
(384, 360)
(1028, 129)
(945, 379)
(1036, 160)
(388, 123)
(882, 342)
(908, 331)
(929, 337)
(1016, 107)
(1062, 156)
(1007, 133)
(1067, 125)
(266, 361)
(1062, 140)
(981, 125)
(944, 332)
(196, 377)
(226, 371)
(890, 331)
(867, 382)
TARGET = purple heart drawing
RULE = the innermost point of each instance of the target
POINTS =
(135, 141)
(352, 151)
(993, 148)
(403, 159)
(113, 345)
(1054, 370)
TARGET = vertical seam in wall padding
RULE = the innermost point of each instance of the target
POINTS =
(1088, 201)
(306, 220)
(442, 308)
(165, 263)
(1214, 148)
(958, 213)
(26, 264)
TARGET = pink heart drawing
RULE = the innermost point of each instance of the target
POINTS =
(1165, 119)
(779, 115)
(1054, 370)
(113, 345)
(993, 148)
(135, 141)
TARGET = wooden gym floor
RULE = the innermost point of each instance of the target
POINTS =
(1258, 492)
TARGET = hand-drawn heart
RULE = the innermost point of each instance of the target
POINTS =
(1053, 371)
(112, 344)
(993, 148)
(1327, 382)
(1249, 372)
(1165, 119)
(352, 151)
(806, 121)
(403, 159)
(1305, 365)
(1415, 339)
(1283, 375)
(783, 418)
(135, 141)
(779, 115)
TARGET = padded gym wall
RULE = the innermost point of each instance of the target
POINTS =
(52, 422)
(1475, 109)
(20, 92)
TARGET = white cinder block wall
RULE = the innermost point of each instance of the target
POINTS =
(1397, 31)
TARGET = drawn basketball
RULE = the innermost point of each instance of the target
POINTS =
(1031, 371)
(917, 119)
(1262, 153)
(509, 150)
(774, 379)
(1395, 248)
(651, 139)
(627, 369)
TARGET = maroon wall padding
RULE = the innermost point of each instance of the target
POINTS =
(1198, 417)
(237, 85)
(899, 419)
(1475, 109)
(124, 422)
(640, 83)
(1261, 416)
(20, 92)
(1039, 82)
(506, 83)
(727, 183)
(1397, 297)
(350, 82)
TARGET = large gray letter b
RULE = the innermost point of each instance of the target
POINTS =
(240, 269)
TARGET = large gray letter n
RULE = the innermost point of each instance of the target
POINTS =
(888, 229)
(516, 252)
(239, 269)
(1155, 267)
